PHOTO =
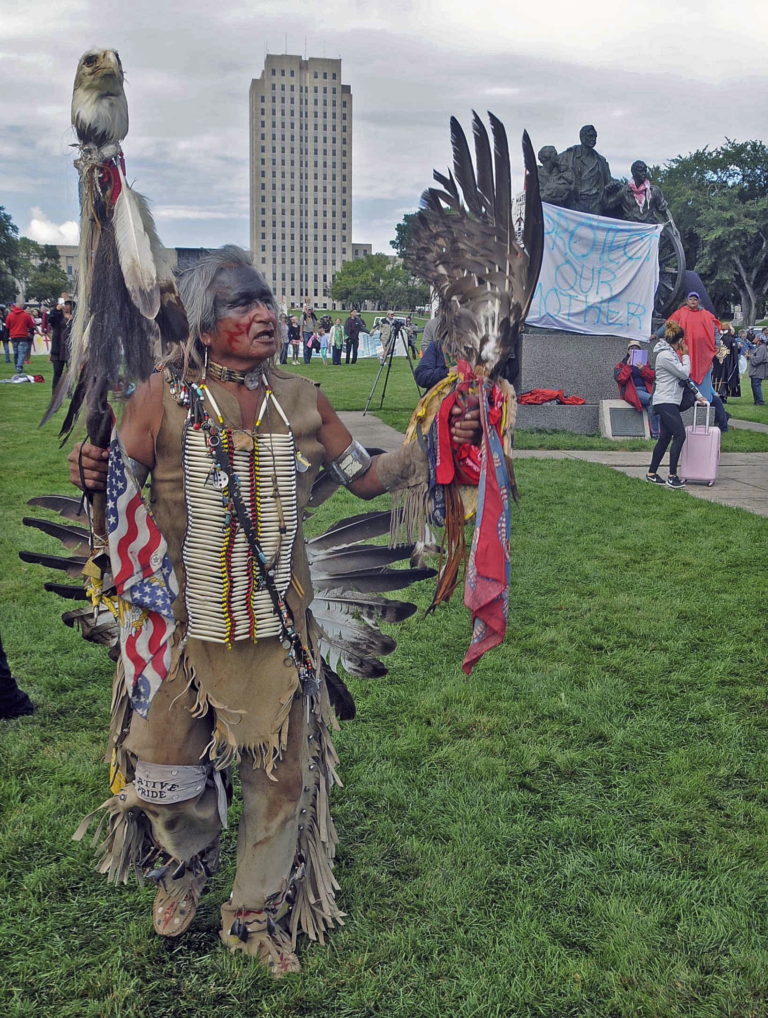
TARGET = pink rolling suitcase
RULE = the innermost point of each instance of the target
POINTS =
(700, 458)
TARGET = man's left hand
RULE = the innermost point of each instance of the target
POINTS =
(465, 422)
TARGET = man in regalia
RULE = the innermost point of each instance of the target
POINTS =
(233, 445)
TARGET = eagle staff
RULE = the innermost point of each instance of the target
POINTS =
(128, 308)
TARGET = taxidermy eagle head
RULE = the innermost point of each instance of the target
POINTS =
(99, 109)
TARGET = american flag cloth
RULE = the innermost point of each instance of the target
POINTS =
(144, 580)
(486, 589)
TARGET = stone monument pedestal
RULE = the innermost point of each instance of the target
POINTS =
(580, 366)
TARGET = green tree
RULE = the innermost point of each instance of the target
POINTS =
(402, 231)
(9, 233)
(359, 280)
(38, 262)
(402, 290)
(719, 200)
(376, 278)
(46, 282)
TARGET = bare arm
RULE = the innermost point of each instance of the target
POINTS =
(138, 431)
(335, 438)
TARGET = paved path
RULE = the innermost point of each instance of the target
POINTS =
(370, 431)
(734, 422)
(743, 480)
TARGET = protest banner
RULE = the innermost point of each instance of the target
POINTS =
(598, 275)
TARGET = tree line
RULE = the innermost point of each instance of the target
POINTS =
(719, 200)
(28, 270)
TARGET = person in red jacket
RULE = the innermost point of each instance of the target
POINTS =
(635, 383)
(21, 328)
(702, 330)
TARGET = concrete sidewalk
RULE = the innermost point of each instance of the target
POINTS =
(743, 480)
(734, 422)
(370, 431)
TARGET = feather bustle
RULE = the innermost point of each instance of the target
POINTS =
(71, 566)
(352, 530)
(65, 505)
(503, 174)
(465, 247)
(376, 581)
(367, 606)
(355, 559)
(100, 627)
(67, 591)
(74, 539)
(533, 228)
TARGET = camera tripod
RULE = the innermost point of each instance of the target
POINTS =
(398, 332)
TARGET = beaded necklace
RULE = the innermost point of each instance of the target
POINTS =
(250, 379)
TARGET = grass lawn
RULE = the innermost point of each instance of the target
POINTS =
(578, 830)
(744, 408)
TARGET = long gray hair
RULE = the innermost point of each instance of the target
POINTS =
(197, 287)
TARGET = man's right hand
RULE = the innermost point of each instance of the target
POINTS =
(88, 467)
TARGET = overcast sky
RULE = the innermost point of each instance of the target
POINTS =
(657, 78)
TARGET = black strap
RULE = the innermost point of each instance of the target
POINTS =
(233, 485)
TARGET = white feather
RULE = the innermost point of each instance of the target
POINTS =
(160, 253)
(78, 356)
(135, 252)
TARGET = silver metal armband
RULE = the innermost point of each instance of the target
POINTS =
(352, 463)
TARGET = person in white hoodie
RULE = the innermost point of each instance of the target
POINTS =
(673, 376)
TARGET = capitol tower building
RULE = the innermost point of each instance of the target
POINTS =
(301, 175)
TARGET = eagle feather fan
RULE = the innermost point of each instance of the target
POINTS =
(463, 243)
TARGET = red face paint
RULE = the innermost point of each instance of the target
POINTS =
(244, 337)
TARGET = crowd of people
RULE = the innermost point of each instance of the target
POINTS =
(692, 349)
(21, 324)
(302, 336)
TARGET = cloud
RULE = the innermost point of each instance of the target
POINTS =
(548, 67)
(190, 212)
(44, 231)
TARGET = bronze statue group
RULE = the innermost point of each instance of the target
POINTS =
(579, 178)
